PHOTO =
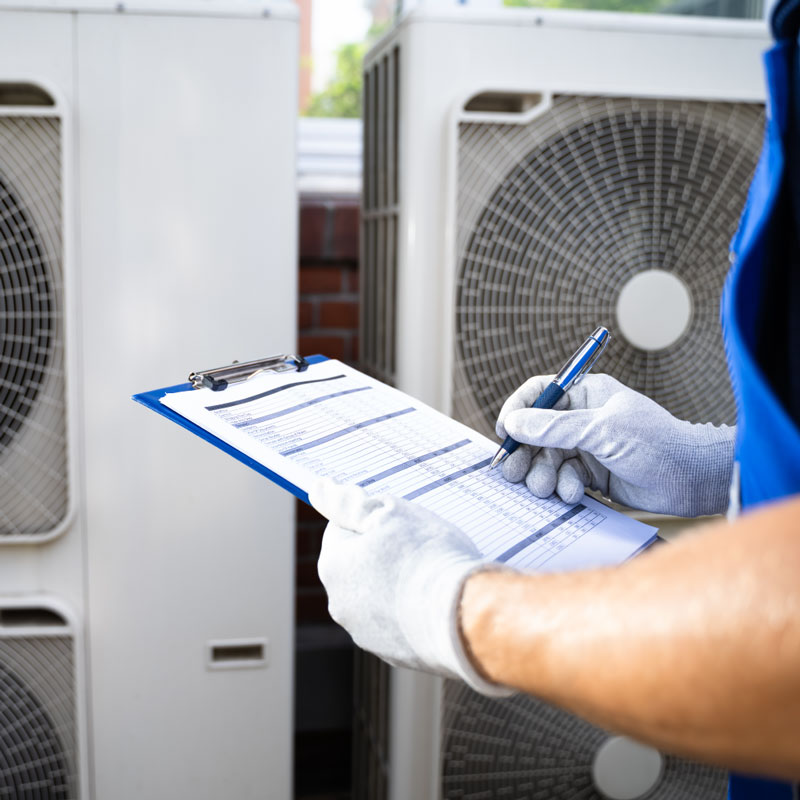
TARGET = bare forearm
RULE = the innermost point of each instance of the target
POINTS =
(693, 647)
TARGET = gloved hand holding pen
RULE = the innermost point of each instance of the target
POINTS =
(605, 436)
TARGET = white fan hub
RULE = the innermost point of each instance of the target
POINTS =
(626, 770)
(654, 309)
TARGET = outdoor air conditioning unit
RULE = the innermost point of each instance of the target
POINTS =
(147, 229)
(529, 175)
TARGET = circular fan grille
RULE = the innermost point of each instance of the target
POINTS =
(520, 747)
(33, 764)
(557, 216)
(27, 306)
(33, 450)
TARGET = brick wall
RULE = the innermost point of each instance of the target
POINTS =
(328, 321)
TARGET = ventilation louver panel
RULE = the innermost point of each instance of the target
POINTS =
(520, 747)
(379, 214)
(556, 217)
(33, 450)
(377, 357)
(38, 744)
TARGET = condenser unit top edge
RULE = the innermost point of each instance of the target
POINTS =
(278, 9)
(607, 21)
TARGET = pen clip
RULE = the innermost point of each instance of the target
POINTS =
(219, 378)
(589, 364)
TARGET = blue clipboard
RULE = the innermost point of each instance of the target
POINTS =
(152, 400)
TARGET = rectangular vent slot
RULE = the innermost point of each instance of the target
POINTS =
(237, 653)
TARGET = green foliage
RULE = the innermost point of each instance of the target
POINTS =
(342, 96)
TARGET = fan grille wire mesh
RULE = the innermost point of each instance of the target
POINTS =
(555, 216)
(38, 751)
(519, 747)
(33, 449)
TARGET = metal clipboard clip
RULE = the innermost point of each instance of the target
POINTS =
(219, 378)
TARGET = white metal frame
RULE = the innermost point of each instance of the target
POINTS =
(145, 583)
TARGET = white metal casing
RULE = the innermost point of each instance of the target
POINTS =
(179, 225)
(447, 57)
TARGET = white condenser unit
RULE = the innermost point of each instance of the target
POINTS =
(147, 229)
(529, 175)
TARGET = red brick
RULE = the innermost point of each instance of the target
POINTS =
(321, 279)
(345, 233)
(312, 230)
(331, 346)
(305, 315)
(352, 280)
(329, 241)
(334, 314)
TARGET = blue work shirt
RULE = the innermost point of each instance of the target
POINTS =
(761, 315)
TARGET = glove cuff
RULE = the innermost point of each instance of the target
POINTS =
(709, 468)
(428, 611)
(466, 668)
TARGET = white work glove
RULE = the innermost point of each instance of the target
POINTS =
(394, 573)
(607, 437)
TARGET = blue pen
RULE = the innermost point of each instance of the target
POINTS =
(577, 366)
